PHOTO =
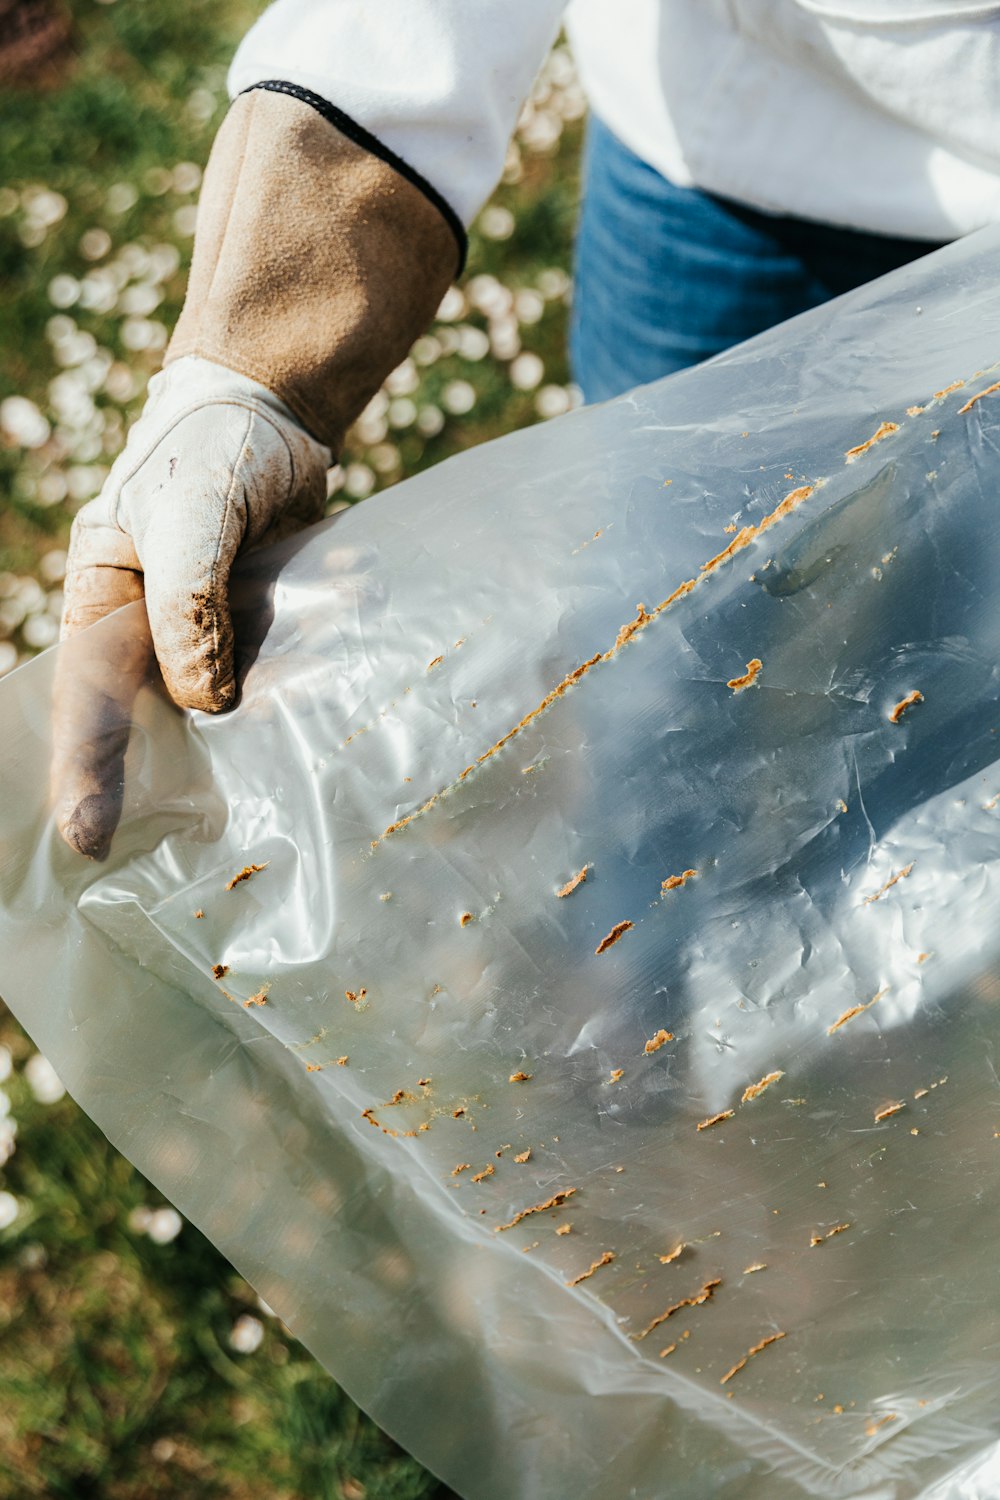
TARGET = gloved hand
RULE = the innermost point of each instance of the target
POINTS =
(316, 264)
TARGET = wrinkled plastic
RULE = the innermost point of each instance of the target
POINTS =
(788, 920)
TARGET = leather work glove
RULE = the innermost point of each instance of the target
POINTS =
(316, 264)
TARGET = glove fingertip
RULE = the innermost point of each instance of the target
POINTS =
(89, 826)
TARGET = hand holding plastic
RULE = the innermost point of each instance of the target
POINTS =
(215, 463)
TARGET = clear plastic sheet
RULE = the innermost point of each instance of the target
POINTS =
(572, 1283)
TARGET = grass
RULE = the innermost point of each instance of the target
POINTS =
(124, 1370)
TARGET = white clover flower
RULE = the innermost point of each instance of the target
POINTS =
(473, 343)
(384, 457)
(132, 259)
(95, 244)
(23, 423)
(359, 480)
(185, 219)
(64, 290)
(9, 1209)
(43, 206)
(529, 305)
(138, 1219)
(136, 334)
(452, 305)
(4, 1104)
(120, 383)
(99, 290)
(458, 397)
(8, 657)
(43, 1080)
(54, 604)
(59, 328)
(80, 346)
(427, 350)
(52, 488)
(488, 295)
(402, 412)
(447, 337)
(157, 181)
(430, 420)
(186, 176)
(84, 481)
(39, 632)
(121, 197)
(526, 372)
(496, 222)
(552, 401)
(164, 1225)
(141, 298)
(8, 1134)
(247, 1334)
(505, 337)
(403, 380)
(53, 569)
(6, 1063)
(164, 261)
(200, 105)
(553, 283)
(334, 480)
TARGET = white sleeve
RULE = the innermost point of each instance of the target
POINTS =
(437, 82)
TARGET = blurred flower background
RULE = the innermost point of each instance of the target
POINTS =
(134, 1362)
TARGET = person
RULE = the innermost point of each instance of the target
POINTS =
(745, 161)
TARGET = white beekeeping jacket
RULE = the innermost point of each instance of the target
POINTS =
(881, 115)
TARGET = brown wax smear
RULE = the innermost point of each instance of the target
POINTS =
(466, 918)
(519, 1078)
(523, 1156)
(874, 1425)
(260, 998)
(463, 1166)
(656, 1042)
(889, 1109)
(674, 882)
(343, 1061)
(668, 1350)
(900, 875)
(855, 1010)
(730, 528)
(772, 1338)
(564, 1229)
(750, 676)
(956, 385)
(914, 411)
(597, 534)
(556, 1201)
(401, 1096)
(904, 703)
(754, 1090)
(760, 1265)
(841, 805)
(704, 1295)
(618, 931)
(487, 1171)
(219, 971)
(725, 1114)
(616, 1075)
(199, 914)
(817, 1239)
(572, 885)
(435, 663)
(355, 996)
(643, 618)
(979, 396)
(247, 873)
(674, 1254)
(605, 1260)
(882, 432)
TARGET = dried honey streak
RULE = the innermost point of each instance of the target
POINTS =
(574, 884)
(750, 676)
(617, 932)
(772, 1338)
(900, 875)
(883, 431)
(704, 1295)
(258, 998)
(674, 1254)
(605, 1260)
(817, 1239)
(656, 1042)
(674, 882)
(904, 703)
(855, 1010)
(979, 396)
(556, 1201)
(519, 1078)
(247, 873)
(956, 385)
(617, 1074)
(889, 1109)
(724, 1114)
(754, 1090)
(643, 618)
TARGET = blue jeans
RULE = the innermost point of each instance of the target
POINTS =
(668, 276)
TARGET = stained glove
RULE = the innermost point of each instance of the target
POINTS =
(316, 264)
